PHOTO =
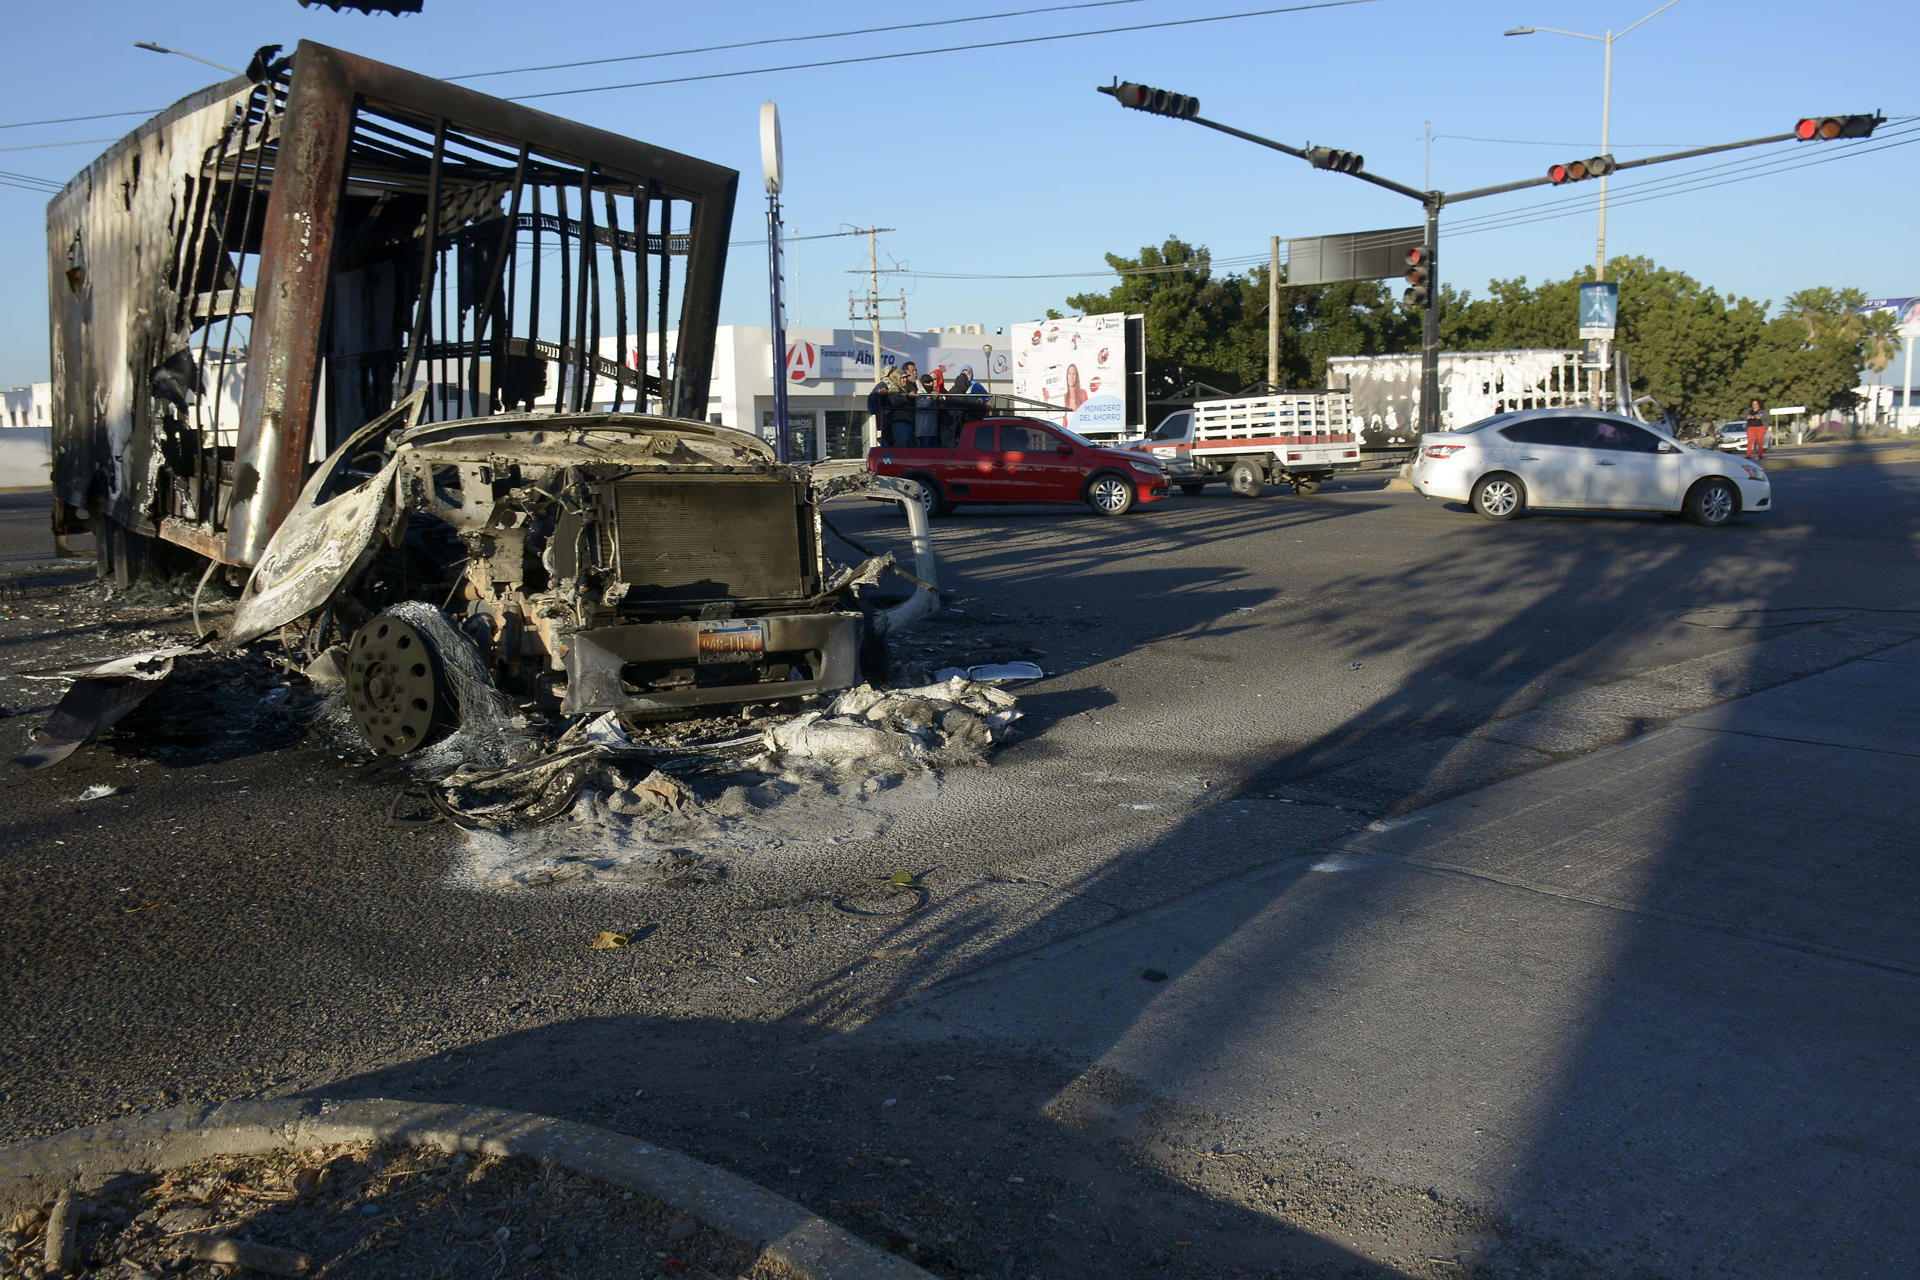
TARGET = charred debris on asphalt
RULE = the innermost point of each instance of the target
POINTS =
(517, 553)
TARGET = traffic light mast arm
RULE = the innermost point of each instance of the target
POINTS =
(1301, 154)
(1454, 197)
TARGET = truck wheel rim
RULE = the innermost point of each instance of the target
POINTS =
(391, 687)
(1109, 494)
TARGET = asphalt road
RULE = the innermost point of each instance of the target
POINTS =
(1231, 685)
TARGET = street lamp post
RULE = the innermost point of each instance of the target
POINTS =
(151, 47)
(1606, 113)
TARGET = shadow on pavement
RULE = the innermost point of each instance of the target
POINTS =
(1253, 1036)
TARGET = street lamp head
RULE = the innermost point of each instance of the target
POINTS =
(151, 47)
(1518, 31)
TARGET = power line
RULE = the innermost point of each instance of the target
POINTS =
(22, 179)
(958, 48)
(1530, 142)
(1640, 193)
(1784, 156)
(824, 35)
(104, 115)
(73, 142)
(1682, 184)
(1192, 264)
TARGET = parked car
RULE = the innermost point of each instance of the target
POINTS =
(1565, 459)
(1023, 460)
(1733, 437)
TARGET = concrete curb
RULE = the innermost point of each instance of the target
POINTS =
(1785, 461)
(785, 1233)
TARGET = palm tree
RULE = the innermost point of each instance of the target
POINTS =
(1880, 339)
(1827, 313)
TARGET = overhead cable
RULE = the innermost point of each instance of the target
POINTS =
(823, 35)
(104, 115)
(957, 48)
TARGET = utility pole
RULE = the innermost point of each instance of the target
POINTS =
(871, 311)
(869, 308)
(1273, 316)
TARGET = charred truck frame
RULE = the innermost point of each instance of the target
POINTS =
(379, 338)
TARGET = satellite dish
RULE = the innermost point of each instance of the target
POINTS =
(770, 146)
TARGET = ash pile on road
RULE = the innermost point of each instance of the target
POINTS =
(547, 802)
(613, 806)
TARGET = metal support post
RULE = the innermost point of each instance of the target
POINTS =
(1273, 316)
(779, 332)
(1430, 324)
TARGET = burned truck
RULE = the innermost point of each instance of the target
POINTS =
(368, 339)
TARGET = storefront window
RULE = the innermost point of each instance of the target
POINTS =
(802, 434)
(845, 434)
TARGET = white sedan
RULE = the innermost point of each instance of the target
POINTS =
(1582, 459)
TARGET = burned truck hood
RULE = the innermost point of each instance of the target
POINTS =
(355, 496)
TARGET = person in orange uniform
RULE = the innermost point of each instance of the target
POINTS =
(1756, 431)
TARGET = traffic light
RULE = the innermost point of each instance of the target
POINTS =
(1821, 128)
(1575, 170)
(1419, 277)
(1159, 102)
(1338, 161)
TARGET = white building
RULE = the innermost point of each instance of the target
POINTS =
(26, 434)
(27, 406)
(829, 373)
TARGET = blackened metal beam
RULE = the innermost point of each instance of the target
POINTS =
(296, 262)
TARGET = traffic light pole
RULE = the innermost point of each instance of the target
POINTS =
(1141, 98)
(1430, 325)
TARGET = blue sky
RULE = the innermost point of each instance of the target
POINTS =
(1005, 162)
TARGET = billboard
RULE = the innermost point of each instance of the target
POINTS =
(1908, 309)
(1078, 366)
(1357, 255)
(846, 355)
(1599, 308)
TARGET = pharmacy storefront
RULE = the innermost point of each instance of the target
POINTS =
(829, 373)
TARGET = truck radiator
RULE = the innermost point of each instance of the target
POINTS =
(697, 539)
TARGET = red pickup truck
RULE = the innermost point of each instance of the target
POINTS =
(1023, 460)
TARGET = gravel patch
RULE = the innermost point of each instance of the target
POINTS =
(374, 1213)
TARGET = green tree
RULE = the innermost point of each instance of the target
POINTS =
(1700, 353)
(1189, 314)
(1214, 329)
(1879, 340)
(1814, 351)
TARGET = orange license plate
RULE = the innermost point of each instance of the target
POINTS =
(733, 642)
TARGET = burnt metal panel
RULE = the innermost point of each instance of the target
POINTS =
(296, 266)
(113, 235)
(246, 279)
(706, 538)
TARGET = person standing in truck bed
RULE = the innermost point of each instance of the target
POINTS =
(926, 415)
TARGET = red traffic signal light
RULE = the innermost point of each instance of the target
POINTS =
(1575, 170)
(1159, 102)
(1823, 128)
(1419, 276)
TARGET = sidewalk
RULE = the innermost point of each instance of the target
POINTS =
(1656, 1003)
